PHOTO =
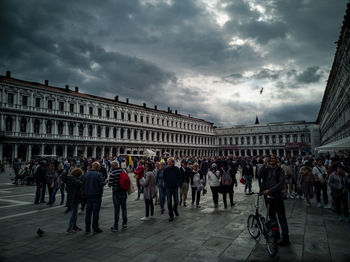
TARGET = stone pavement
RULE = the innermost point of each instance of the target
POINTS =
(203, 234)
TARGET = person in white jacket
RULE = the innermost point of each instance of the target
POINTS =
(214, 183)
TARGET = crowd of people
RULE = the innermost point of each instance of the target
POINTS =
(165, 181)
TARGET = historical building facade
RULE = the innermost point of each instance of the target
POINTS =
(38, 119)
(334, 115)
(283, 138)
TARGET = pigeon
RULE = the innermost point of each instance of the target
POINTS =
(261, 91)
(40, 232)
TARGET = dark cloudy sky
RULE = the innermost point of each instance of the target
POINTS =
(207, 58)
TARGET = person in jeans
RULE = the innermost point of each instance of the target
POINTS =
(321, 176)
(58, 184)
(339, 182)
(149, 189)
(93, 183)
(16, 168)
(273, 184)
(139, 174)
(185, 174)
(214, 183)
(228, 180)
(74, 198)
(197, 179)
(248, 173)
(161, 185)
(172, 183)
(119, 196)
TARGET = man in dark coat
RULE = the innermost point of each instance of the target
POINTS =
(40, 178)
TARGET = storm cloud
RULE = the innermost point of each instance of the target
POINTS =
(205, 58)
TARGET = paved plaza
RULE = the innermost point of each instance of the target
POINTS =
(203, 234)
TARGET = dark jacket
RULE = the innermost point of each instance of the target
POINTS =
(272, 179)
(247, 170)
(232, 174)
(40, 175)
(73, 190)
(93, 184)
(172, 177)
(185, 175)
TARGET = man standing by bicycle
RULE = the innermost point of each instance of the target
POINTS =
(273, 179)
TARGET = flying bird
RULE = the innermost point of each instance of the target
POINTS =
(40, 232)
(261, 91)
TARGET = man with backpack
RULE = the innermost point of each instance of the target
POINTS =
(228, 179)
(120, 183)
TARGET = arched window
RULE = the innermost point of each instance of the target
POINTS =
(280, 138)
(23, 125)
(267, 139)
(107, 131)
(9, 123)
(48, 127)
(128, 134)
(60, 128)
(135, 134)
(295, 138)
(273, 139)
(288, 138)
(90, 130)
(141, 135)
(98, 131)
(71, 129)
(36, 126)
(81, 129)
(114, 132)
(242, 140)
(147, 135)
(303, 138)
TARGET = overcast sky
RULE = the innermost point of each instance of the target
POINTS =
(207, 58)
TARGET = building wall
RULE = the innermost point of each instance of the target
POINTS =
(334, 115)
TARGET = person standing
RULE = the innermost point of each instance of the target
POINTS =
(214, 183)
(139, 174)
(306, 179)
(93, 183)
(149, 189)
(185, 174)
(339, 183)
(272, 185)
(16, 168)
(40, 178)
(119, 196)
(248, 173)
(321, 177)
(161, 185)
(58, 184)
(74, 198)
(228, 179)
(288, 171)
(172, 183)
(298, 189)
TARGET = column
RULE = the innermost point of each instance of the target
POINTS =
(103, 151)
(94, 132)
(42, 149)
(54, 150)
(118, 151)
(75, 151)
(264, 152)
(31, 126)
(85, 151)
(299, 152)
(65, 151)
(110, 151)
(138, 137)
(17, 125)
(55, 128)
(94, 152)
(43, 126)
(118, 133)
(29, 152)
(103, 132)
(65, 130)
(15, 151)
(284, 152)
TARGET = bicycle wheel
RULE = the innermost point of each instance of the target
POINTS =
(271, 243)
(253, 227)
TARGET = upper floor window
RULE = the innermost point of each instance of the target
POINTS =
(99, 112)
(10, 99)
(23, 125)
(61, 106)
(36, 126)
(81, 129)
(49, 104)
(147, 120)
(115, 114)
(24, 100)
(48, 127)
(248, 140)
(107, 113)
(280, 138)
(288, 138)
(114, 132)
(236, 140)
(135, 118)
(273, 139)
(129, 117)
(107, 131)
(37, 102)
(9, 123)
(242, 140)
(71, 108)
(98, 131)
(90, 130)
(267, 139)
(141, 119)
(295, 138)
(60, 128)
(71, 129)
(91, 110)
(157, 121)
(231, 140)
(122, 115)
(254, 140)
(81, 109)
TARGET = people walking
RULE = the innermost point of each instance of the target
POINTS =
(93, 183)
(214, 183)
(74, 198)
(40, 179)
(57, 184)
(248, 173)
(197, 181)
(272, 185)
(306, 179)
(321, 178)
(185, 174)
(172, 183)
(139, 174)
(119, 195)
(161, 186)
(288, 171)
(228, 180)
(148, 182)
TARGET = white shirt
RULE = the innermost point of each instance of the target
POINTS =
(213, 179)
(320, 172)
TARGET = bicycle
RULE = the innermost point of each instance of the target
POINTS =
(259, 225)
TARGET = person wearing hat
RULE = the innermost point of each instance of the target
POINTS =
(214, 183)
(339, 182)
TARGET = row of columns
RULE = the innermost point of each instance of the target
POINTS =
(264, 142)
(264, 151)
